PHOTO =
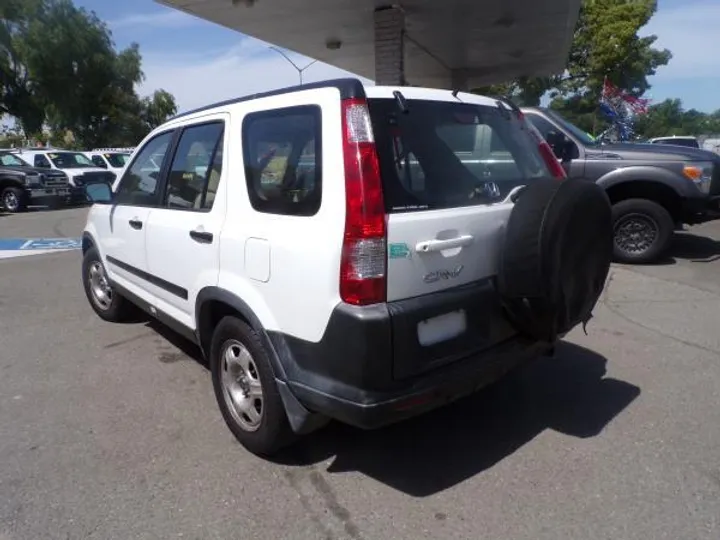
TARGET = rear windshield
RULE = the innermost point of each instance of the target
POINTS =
(442, 154)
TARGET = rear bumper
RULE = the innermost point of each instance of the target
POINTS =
(700, 210)
(369, 370)
(424, 394)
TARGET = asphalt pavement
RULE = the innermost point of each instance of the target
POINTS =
(111, 431)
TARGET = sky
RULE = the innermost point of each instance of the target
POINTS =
(200, 62)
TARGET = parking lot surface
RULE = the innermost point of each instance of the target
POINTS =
(111, 431)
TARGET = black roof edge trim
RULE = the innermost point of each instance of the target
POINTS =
(349, 88)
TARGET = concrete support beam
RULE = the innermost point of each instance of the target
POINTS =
(389, 46)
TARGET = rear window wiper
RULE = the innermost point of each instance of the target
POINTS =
(401, 102)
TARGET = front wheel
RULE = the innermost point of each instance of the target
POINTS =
(13, 199)
(642, 231)
(245, 388)
(104, 300)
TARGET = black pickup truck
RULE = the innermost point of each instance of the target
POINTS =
(22, 185)
(654, 189)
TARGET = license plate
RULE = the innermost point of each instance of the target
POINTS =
(441, 328)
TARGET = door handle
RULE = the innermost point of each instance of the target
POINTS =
(135, 223)
(440, 245)
(202, 236)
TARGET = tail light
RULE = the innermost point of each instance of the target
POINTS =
(364, 252)
(551, 160)
(546, 152)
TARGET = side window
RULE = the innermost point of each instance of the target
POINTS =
(98, 161)
(42, 161)
(281, 149)
(196, 168)
(139, 184)
(542, 125)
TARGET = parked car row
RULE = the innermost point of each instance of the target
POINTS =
(54, 177)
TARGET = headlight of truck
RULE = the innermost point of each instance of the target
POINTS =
(32, 180)
(700, 172)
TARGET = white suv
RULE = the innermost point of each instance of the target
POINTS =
(349, 253)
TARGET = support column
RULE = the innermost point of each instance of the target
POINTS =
(389, 46)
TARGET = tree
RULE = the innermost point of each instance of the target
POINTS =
(60, 68)
(605, 44)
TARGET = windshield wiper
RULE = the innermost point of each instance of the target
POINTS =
(401, 101)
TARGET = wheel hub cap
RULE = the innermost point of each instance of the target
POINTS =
(636, 234)
(242, 389)
(100, 289)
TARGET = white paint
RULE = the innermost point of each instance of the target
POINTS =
(13, 253)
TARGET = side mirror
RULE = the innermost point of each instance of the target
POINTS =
(100, 193)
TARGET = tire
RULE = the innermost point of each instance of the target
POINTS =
(111, 307)
(12, 199)
(555, 256)
(642, 231)
(240, 367)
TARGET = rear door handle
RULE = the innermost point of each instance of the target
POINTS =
(202, 237)
(440, 245)
(135, 223)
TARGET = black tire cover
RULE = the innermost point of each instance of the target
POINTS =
(555, 256)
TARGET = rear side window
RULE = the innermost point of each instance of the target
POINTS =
(282, 150)
(449, 154)
(195, 172)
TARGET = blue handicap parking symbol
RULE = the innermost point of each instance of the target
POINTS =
(23, 244)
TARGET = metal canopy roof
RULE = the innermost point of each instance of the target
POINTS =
(478, 41)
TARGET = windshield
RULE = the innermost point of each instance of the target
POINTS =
(117, 160)
(576, 132)
(70, 160)
(11, 160)
(448, 154)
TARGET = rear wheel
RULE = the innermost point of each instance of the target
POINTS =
(13, 199)
(642, 231)
(245, 388)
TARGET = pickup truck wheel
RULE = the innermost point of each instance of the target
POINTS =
(104, 300)
(13, 199)
(245, 388)
(642, 231)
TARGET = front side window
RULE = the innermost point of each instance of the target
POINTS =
(441, 154)
(70, 160)
(99, 162)
(139, 184)
(281, 149)
(42, 161)
(117, 160)
(195, 171)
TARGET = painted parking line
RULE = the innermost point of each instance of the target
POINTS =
(20, 247)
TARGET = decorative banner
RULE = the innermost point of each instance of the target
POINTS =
(621, 108)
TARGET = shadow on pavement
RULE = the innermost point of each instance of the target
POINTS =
(691, 247)
(433, 452)
(438, 450)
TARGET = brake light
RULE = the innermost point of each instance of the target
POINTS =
(551, 160)
(364, 252)
(549, 157)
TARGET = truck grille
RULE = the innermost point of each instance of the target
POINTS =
(715, 182)
(54, 180)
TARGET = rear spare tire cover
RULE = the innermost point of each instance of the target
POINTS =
(555, 256)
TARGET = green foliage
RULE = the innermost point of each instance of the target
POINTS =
(605, 44)
(669, 118)
(60, 69)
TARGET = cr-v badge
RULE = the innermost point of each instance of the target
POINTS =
(433, 277)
